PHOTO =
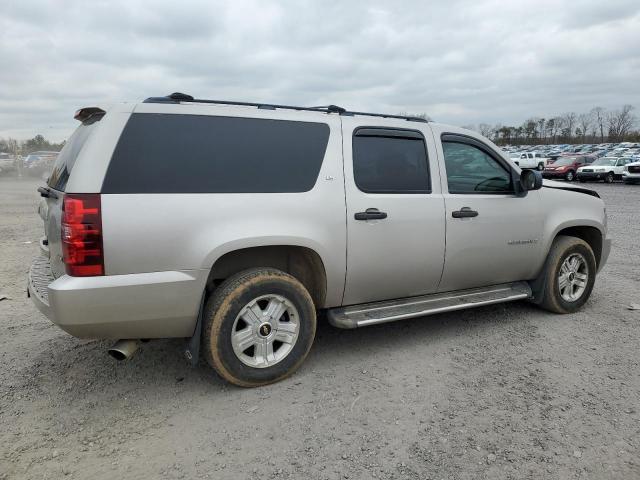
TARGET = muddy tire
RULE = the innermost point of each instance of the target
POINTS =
(570, 275)
(258, 327)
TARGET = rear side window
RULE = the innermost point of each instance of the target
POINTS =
(67, 157)
(390, 161)
(202, 154)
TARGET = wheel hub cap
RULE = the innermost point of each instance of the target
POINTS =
(573, 277)
(265, 331)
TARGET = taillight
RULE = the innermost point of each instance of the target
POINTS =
(82, 235)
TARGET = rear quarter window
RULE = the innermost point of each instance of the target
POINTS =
(173, 153)
(67, 158)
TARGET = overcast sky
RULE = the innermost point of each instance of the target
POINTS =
(461, 62)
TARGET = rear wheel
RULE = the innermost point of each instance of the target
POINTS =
(570, 275)
(259, 326)
(540, 166)
(570, 176)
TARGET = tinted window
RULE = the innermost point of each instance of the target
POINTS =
(471, 170)
(390, 164)
(204, 154)
(67, 158)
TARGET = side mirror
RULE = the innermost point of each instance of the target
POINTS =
(531, 180)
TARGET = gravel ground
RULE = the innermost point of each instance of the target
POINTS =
(502, 392)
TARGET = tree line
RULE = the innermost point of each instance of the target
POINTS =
(25, 147)
(596, 126)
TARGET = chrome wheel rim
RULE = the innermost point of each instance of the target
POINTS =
(573, 277)
(265, 331)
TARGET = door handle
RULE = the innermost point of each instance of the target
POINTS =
(370, 214)
(464, 212)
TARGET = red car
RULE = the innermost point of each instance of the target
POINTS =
(566, 167)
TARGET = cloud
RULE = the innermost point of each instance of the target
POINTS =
(460, 61)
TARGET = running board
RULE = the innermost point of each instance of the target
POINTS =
(391, 310)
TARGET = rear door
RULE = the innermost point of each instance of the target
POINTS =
(395, 211)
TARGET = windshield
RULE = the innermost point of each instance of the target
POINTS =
(605, 161)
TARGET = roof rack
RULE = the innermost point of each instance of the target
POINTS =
(178, 97)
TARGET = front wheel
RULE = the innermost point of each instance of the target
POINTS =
(609, 178)
(570, 275)
(259, 326)
(570, 176)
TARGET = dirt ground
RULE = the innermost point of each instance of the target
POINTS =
(502, 392)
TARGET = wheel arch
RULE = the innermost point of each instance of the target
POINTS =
(591, 234)
(302, 262)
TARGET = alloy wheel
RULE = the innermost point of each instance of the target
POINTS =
(573, 277)
(265, 331)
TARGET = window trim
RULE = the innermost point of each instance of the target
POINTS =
(394, 133)
(474, 142)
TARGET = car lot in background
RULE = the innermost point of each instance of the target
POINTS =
(39, 164)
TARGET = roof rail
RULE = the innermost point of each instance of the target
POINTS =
(178, 97)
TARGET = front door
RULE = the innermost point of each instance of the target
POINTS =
(395, 211)
(493, 235)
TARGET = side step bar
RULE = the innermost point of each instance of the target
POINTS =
(391, 310)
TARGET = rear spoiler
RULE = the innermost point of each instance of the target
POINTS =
(86, 113)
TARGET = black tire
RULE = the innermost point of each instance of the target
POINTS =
(540, 166)
(564, 246)
(570, 176)
(224, 305)
(609, 178)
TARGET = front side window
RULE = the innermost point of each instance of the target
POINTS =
(390, 164)
(471, 170)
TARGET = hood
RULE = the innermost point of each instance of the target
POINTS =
(568, 187)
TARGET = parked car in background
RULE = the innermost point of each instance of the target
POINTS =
(566, 167)
(38, 164)
(607, 169)
(534, 160)
(7, 163)
(631, 173)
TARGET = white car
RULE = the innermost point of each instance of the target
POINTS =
(607, 169)
(534, 160)
(631, 172)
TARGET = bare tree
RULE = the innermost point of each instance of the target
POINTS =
(599, 118)
(569, 122)
(584, 123)
(486, 130)
(620, 122)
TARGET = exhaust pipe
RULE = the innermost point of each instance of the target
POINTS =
(123, 349)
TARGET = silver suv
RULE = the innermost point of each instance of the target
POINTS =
(233, 224)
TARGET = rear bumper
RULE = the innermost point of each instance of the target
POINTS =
(144, 305)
